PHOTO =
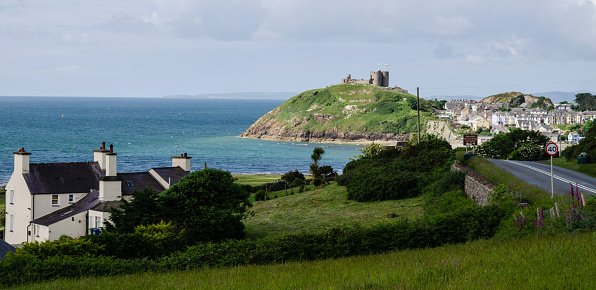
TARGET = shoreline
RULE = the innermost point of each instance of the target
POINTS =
(324, 141)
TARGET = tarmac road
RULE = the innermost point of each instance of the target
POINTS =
(539, 174)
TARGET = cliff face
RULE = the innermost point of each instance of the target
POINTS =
(343, 113)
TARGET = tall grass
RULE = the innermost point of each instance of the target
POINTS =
(553, 262)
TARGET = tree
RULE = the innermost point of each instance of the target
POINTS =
(143, 209)
(369, 150)
(503, 145)
(585, 102)
(207, 204)
(316, 156)
(517, 101)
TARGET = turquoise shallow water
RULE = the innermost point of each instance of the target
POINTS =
(145, 133)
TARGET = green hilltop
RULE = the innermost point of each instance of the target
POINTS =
(350, 112)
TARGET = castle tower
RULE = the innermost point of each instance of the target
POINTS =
(385, 82)
(376, 78)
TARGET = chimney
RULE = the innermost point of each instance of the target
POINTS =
(110, 188)
(183, 161)
(110, 162)
(99, 155)
(21, 161)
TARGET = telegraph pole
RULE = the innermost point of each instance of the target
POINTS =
(418, 109)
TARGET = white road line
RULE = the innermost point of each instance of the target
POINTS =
(555, 176)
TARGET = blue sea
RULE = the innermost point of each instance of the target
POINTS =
(146, 132)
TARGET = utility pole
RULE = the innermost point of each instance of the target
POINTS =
(418, 109)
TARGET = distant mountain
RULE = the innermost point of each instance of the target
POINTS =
(452, 97)
(245, 95)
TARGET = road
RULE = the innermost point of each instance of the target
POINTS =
(539, 174)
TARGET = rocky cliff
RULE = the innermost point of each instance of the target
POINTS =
(342, 113)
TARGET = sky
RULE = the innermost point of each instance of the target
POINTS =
(145, 48)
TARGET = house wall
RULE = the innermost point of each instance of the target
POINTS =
(105, 217)
(20, 208)
(43, 203)
(73, 227)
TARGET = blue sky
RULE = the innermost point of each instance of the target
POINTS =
(144, 48)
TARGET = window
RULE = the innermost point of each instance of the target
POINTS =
(11, 196)
(71, 198)
(55, 200)
(130, 184)
(11, 222)
(98, 222)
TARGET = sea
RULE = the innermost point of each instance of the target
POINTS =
(147, 132)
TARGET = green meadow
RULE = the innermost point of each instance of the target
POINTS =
(533, 262)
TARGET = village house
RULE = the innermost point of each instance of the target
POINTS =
(47, 200)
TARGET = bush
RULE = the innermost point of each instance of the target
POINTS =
(317, 182)
(260, 195)
(394, 173)
(451, 180)
(64, 246)
(291, 176)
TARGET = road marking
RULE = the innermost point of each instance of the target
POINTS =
(555, 176)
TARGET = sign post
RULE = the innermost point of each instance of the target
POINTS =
(551, 149)
(470, 140)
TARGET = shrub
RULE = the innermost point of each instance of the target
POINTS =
(260, 195)
(394, 173)
(317, 182)
(301, 190)
(451, 180)
(64, 246)
(291, 176)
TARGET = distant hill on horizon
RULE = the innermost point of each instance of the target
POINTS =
(555, 96)
(239, 95)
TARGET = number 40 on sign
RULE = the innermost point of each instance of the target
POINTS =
(552, 149)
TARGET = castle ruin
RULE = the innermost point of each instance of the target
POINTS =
(377, 78)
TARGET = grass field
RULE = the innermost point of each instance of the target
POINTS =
(542, 262)
(256, 179)
(321, 209)
(587, 169)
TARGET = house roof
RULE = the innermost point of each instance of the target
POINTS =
(132, 182)
(5, 248)
(173, 174)
(73, 177)
(88, 202)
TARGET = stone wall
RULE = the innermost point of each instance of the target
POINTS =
(477, 187)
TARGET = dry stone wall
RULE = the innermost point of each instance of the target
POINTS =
(477, 187)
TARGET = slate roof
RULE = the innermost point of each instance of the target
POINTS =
(88, 202)
(73, 177)
(5, 248)
(173, 174)
(132, 182)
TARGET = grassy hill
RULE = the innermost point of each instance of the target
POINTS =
(342, 113)
(509, 96)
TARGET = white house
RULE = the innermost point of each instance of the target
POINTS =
(47, 200)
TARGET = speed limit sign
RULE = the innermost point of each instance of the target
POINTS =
(552, 149)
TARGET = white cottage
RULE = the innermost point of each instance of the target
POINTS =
(47, 200)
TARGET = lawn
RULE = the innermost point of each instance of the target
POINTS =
(587, 169)
(321, 209)
(535, 262)
(256, 179)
